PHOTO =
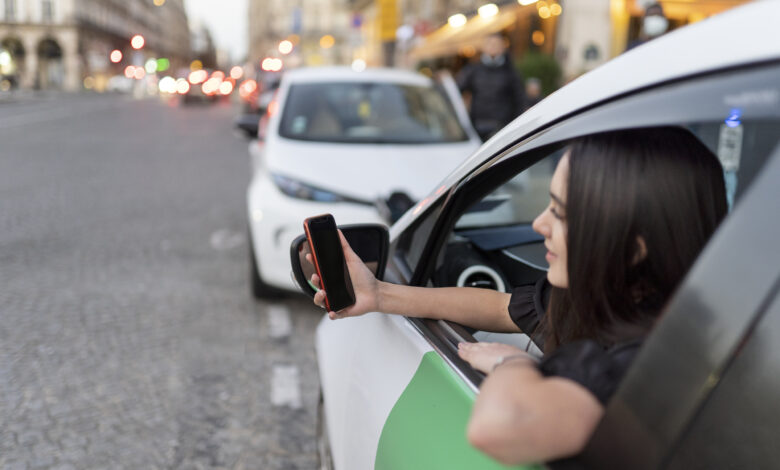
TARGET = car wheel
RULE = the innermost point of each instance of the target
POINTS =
(260, 290)
(325, 460)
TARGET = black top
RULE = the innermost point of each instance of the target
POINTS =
(497, 92)
(595, 367)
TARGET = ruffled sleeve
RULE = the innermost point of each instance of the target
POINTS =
(598, 369)
(527, 307)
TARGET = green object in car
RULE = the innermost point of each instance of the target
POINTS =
(439, 439)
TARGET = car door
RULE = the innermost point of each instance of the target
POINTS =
(393, 399)
(403, 396)
(445, 81)
(474, 214)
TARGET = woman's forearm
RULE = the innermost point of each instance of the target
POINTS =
(482, 309)
(521, 417)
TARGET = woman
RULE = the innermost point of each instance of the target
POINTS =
(629, 213)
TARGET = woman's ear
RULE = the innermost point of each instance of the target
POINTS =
(641, 250)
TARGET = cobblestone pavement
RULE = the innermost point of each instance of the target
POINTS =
(128, 338)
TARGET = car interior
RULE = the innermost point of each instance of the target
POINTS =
(493, 245)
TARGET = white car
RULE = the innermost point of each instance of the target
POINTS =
(702, 392)
(364, 146)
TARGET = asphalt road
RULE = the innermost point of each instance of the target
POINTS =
(128, 338)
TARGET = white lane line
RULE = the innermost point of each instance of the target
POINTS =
(46, 115)
(279, 322)
(286, 387)
(225, 239)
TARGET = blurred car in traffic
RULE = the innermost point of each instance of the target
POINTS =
(256, 94)
(701, 392)
(120, 84)
(204, 86)
(360, 145)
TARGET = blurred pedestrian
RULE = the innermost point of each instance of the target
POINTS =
(495, 87)
(654, 24)
(533, 92)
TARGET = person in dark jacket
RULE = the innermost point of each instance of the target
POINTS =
(496, 88)
(654, 24)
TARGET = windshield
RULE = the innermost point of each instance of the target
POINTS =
(354, 112)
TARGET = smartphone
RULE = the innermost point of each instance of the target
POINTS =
(329, 261)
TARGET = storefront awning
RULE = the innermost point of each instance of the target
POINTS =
(447, 41)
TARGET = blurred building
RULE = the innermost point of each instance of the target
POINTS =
(203, 45)
(578, 34)
(318, 29)
(66, 44)
(594, 31)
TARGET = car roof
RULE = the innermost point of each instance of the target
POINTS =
(347, 74)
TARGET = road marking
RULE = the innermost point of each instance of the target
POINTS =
(224, 239)
(279, 322)
(38, 116)
(286, 387)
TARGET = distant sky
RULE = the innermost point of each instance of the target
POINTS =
(227, 21)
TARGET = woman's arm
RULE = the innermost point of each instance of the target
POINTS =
(521, 416)
(482, 309)
(478, 308)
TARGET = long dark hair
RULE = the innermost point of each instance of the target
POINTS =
(661, 184)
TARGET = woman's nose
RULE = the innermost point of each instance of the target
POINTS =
(540, 226)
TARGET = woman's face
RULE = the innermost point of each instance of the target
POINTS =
(551, 224)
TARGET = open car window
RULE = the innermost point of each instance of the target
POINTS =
(493, 245)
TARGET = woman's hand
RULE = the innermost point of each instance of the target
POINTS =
(364, 284)
(485, 356)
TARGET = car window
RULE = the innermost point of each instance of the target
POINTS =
(357, 112)
(737, 428)
(517, 201)
(493, 245)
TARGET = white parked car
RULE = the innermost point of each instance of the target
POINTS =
(702, 392)
(364, 146)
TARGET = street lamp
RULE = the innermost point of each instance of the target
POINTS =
(457, 20)
(327, 41)
(285, 47)
(137, 42)
(488, 10)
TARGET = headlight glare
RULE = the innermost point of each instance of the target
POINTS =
(299, 190)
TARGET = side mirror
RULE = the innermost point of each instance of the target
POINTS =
(369, 241)
(248, 123)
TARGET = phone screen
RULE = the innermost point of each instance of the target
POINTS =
(326, 247)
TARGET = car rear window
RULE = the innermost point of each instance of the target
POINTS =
(362, 112)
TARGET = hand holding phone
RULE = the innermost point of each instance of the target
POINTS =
(329, 261)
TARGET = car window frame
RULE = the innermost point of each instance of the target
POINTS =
(619, 112)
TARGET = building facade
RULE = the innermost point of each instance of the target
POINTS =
(578, 34)
(319, 29)
(48, 44)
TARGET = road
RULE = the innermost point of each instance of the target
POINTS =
(128, 336)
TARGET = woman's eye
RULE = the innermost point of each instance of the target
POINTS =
(555, 213)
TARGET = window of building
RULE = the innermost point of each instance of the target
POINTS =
(10, 10)
(47, 10)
